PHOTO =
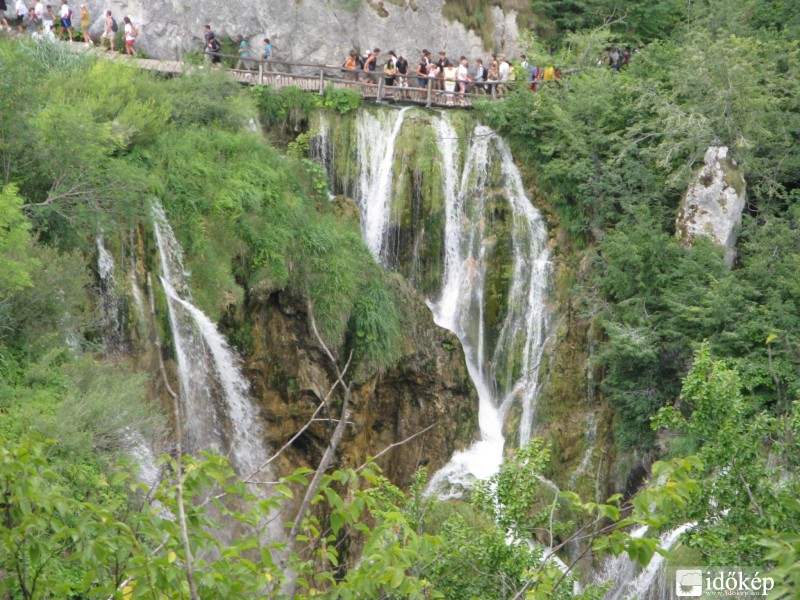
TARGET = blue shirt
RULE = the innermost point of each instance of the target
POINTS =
(268, 51)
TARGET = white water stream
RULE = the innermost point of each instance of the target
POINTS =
(376, 156)
(505, 368)
(113, 337)
(629, 581)
(217, 412)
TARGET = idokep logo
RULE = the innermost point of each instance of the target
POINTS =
(712, 582)
(689, 582)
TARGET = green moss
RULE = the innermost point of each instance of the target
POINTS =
(418, 206)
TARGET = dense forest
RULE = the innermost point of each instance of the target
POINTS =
(699, 361)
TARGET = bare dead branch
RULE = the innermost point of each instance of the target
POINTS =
(327, 457)
(395, 444)
(188, 562)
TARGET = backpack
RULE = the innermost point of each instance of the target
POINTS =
(134, 31)
(114, 26)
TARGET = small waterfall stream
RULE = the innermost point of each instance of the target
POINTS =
(217, 411)
(376, 157)
(113, 337)
(630, 582)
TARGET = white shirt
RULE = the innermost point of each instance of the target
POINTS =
(129, 32)
(505, 68)
(64, 12)
(22, 10)
(39, 10)
(461, 73)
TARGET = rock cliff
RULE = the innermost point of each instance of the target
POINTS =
(427, 390)
(319, 31)
(714, 203)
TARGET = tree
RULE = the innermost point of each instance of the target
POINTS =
(15, 243)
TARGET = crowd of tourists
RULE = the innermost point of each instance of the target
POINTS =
(452, 78)
(41, 22)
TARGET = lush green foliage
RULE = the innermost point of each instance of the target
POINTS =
(57, 544)
(613, 155)
(754, 493)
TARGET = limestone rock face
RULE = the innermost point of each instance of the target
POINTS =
(428, 388)
(316, 31)
(714, 203)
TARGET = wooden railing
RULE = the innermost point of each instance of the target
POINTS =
(370, 84)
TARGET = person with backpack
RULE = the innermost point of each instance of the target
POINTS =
(66, 19)
(110, 30)
(369, 66)
(131, 33)
(214, 49)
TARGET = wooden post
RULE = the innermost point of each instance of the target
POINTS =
(322, 81)
(261, 72)
(494, 91)
(430, 93)
(380, 89)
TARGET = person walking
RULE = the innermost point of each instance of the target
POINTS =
(402, 75)
(480, 77)
(109, 31)
(85, 24)
(422, 71)
(503, 71)
(267, 50)
(22, 12)
(243, 54)
(48, 22)
(214, 49)
(449, 76)
(131, 33)
(491, 78)
(369, 65)
(463, 78)
(350, 65)
(66, 19)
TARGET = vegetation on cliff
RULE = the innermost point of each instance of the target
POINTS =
(612, 156)
(700, 362)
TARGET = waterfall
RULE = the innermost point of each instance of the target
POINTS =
(502, 357)
(627, 584)
(460, 307)
(320, 147)
(375, 150)
(109, 300)
(217, 412)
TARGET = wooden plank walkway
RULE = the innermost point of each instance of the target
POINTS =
(317, 78)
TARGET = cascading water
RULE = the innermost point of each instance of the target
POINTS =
(627, 584)
(510, 373)
(376, 156)
(502, 357)
(216, 409)
(109, 300)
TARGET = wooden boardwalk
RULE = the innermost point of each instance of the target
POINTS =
(317, 78)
